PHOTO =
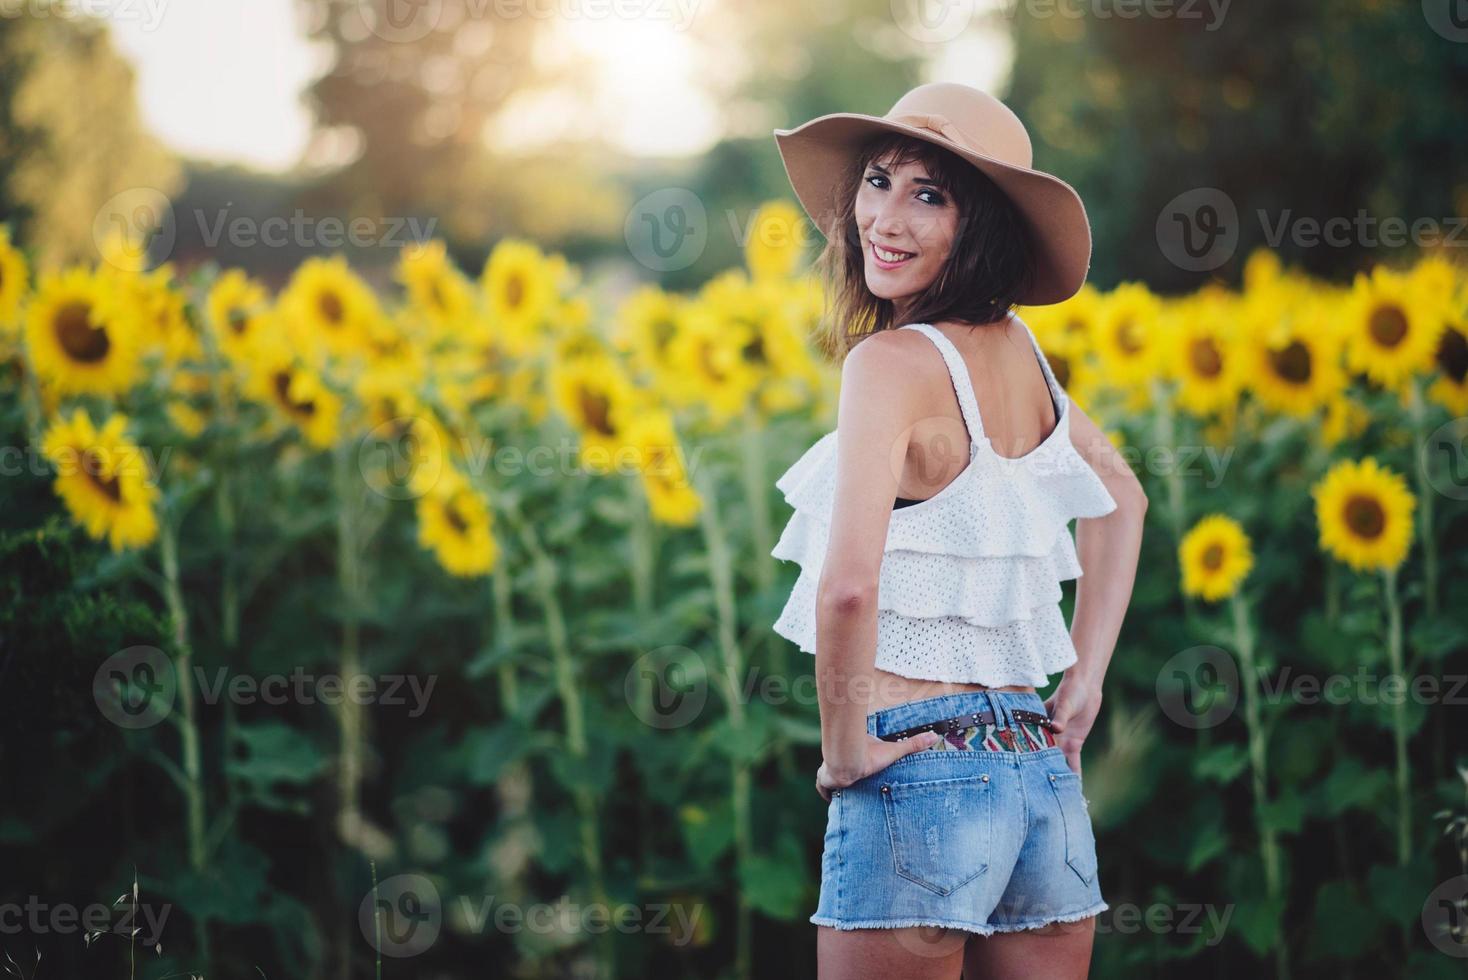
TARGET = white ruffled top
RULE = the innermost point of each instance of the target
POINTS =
(970, 579)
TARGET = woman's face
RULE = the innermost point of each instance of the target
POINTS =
(907, 226)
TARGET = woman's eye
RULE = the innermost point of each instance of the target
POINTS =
(876, 180)
(931, 197)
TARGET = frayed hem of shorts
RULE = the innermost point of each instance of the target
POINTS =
(1052, 919)
(902, 924)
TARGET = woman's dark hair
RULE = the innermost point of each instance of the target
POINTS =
(990, 265)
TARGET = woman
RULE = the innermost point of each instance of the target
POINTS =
(933, 534)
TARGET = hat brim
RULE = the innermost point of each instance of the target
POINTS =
(817, 153)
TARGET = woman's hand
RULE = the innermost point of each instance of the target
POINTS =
(1073, 709)
(879, 755)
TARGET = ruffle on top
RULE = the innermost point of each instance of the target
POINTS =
(970, 579)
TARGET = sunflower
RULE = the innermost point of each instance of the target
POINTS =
(1215, 557)
(1365, 514)
(77, 345)
(594, 395)
(1440, 278)
(434, 286)
(776, 240)
(238, 308)
(454, 522)
(295, 392)
(103, 479)
(670, 495)
(1292, 363)
(326, 307)
(419, 441)
(519, 283)
(1201, 354)
(1393, 327)
(1345, 418)
(156, 311)
(1126, 335)
(646, 324)
(1067, 328)
(712, 363)
(13, 279)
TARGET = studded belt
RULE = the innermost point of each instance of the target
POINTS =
(979, 730)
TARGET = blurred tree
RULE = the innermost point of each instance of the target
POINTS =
(792, 64)
(407, 107)
(1292, 108)
(70, 135)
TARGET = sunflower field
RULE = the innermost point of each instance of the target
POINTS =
(443, 609)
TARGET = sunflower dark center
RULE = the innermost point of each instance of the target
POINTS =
(1207, 360)
(93, 465)
(303, 406)
(515, 290)
(1452, 354)
(1365, 517)
(1060, 367)
(1075, 324)
(663, 332)
(331, 307)
(455, 519)
(1388, 325)
(710, 362)
(1213, 557)
(596, 409)
(1129, 336)
(238, 322)
(81, 341)
(1292, 362)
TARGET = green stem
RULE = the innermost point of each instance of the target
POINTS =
(546, 584)
(1425, 497)
(1399, 715)
(349, 713)
(504, 638)
(1258, 765)
(193, 768)
(721, 572)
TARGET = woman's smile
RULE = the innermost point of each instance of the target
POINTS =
(889, 258)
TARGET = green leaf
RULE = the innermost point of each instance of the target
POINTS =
(1222, 763)
(708, 831)
(1258, 921)
(776, 883)
(273, 753)
(488, 750)
(1285, 814)
(1397, 891)
(1351, 786)
(1344, 924)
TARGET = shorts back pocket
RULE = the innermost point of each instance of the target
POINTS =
(1080, 840)
(940, 830)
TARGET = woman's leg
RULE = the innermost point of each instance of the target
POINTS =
(1059, 951)
(889, 954)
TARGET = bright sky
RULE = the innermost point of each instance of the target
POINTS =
(222, 81)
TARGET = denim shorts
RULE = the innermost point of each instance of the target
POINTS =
(988, 831)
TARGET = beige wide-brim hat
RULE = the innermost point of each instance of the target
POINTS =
(978, 128)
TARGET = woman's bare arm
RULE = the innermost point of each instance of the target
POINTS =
(883, 387)
(1108, 548)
